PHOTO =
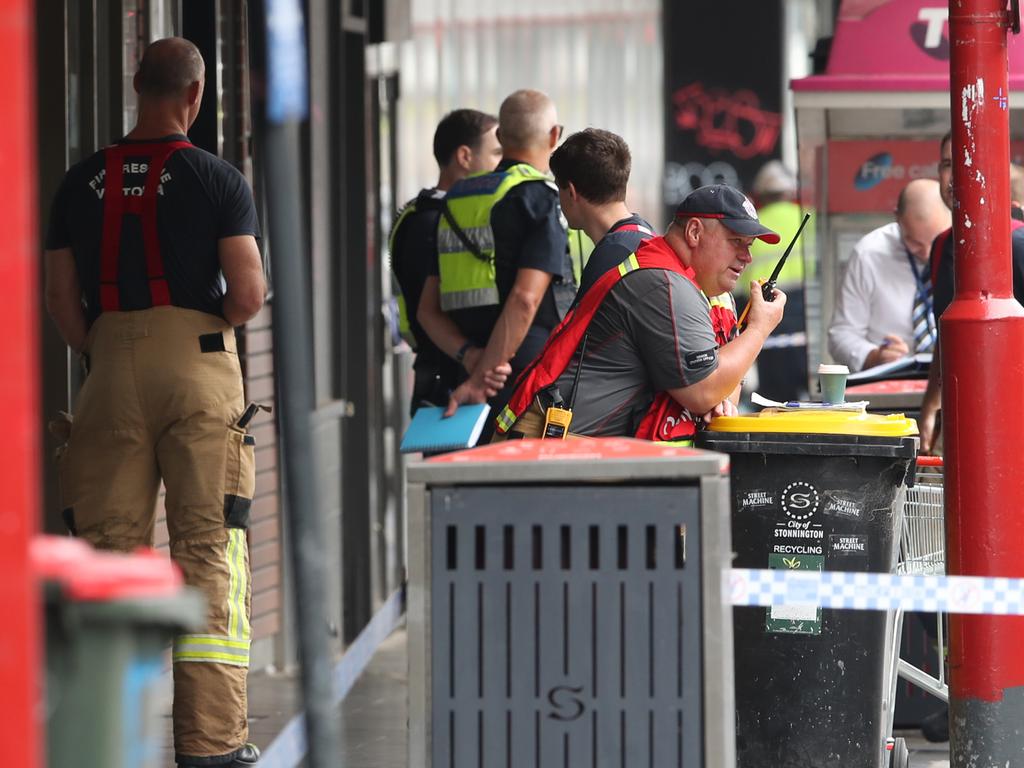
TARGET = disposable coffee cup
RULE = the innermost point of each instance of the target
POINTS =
(832, 379)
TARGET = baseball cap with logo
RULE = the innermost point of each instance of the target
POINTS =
(729, 206)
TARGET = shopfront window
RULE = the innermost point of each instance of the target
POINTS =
(143, 22)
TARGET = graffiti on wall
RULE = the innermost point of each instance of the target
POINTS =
(731, 121)
(682, 178)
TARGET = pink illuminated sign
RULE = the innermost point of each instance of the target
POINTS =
(895, 45)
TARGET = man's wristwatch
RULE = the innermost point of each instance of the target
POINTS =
(461, 354)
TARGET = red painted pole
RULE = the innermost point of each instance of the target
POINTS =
(982, 377)
(21, 709)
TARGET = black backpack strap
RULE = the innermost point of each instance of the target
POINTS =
(460, 233)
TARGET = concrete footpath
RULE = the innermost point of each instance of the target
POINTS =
(373, 715)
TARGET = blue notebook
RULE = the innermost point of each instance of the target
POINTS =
(430, 432)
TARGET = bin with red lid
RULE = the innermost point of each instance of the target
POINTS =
(109, 619)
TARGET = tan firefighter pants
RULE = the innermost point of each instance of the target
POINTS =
(161, 401)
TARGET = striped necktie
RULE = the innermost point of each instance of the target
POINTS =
(923, 318)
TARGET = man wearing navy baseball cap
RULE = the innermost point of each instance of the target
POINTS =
(729, 206)
(662, 351)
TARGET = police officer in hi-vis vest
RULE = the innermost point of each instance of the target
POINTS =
(464, 143)
(140, 236)
(503, 277)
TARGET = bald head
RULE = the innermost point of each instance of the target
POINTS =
(525, 121)
(168, 68)
(921, 215)
(918, 198)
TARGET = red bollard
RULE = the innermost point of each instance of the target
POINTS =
(21, 708)
(983, 371)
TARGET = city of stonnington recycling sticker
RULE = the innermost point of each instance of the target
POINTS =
(797, 533)
(800, 501)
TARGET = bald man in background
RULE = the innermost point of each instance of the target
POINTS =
(883, 310)
(503, 279)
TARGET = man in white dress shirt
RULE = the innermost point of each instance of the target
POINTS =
(882, 311)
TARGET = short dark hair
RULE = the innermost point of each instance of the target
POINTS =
(945, 140)
(461, 127)
(169, 67)
(596, 162)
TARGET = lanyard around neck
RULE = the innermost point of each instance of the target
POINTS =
(923, 294)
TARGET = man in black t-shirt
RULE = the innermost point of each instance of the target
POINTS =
(591, 170)
(151, 258)
(464, 143)
(518, 226)
(943, 291)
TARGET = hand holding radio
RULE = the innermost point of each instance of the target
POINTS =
(769, 292)
(764, 313)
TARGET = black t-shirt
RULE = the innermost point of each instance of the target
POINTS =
(529, 233)
(414, 253)
(201, 199)
(944, 287)
(414, 247)
(613, 249)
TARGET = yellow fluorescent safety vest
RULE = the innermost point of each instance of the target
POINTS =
(468, 280)
(580, 248)
(396, 287)
(782, 217)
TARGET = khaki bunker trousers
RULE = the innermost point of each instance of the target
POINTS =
(161, 401)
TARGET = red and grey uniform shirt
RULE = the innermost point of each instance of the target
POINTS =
(649, 329)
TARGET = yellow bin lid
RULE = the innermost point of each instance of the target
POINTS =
(818, 422)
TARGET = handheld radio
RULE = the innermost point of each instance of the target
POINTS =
(558, 416)
(768, 286)
(557, 419)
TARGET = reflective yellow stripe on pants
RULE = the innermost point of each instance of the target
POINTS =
(233, 649)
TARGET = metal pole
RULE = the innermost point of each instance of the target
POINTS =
(293, 365)
(983, 367)
(21, 712)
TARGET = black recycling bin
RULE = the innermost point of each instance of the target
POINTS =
(814, 490)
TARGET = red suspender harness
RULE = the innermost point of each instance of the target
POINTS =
(116, 205)
(666, 419)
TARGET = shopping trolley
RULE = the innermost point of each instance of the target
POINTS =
(921, 522)
(923, 552)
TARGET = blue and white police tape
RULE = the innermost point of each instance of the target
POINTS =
(785, 341)
(875, 591)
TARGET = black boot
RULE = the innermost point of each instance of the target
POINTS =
(935, 727)
(246, 756)
(249, 755)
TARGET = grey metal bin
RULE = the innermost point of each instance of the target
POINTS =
(565, 607)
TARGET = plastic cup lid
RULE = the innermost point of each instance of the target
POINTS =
(826, 368)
